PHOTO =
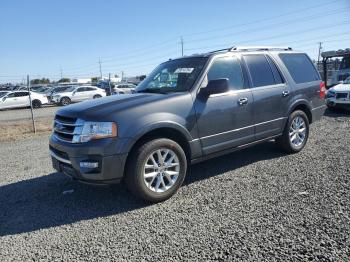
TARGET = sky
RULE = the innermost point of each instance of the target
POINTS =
(43, 38)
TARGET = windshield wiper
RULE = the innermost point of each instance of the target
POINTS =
(152, 90)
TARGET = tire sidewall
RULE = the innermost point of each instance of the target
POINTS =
(290, 120)
(65, 99)
(36, 104)
(147, 149)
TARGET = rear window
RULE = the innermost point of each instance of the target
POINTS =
(300, 67)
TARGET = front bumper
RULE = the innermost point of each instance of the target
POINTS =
(335, 102)
(67, 159)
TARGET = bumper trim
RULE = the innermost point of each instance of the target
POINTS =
(60, 158)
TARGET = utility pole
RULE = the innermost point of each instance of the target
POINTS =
(61, 72)
(319, 52)
(122, 76)
(31, 104)
(182, 46)
(99, 61)
(109, 83)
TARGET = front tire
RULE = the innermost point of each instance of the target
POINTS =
(156, 170)
(65, 101)
(36, 104)
(296, 133)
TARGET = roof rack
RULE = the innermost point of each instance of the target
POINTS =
(260, 48)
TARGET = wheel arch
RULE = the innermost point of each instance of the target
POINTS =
(304, 106)
(170, 131)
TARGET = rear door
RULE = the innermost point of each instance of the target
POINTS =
(90, 92)
(79, 95)
(271, 95)
(22, 98)
(225, 120)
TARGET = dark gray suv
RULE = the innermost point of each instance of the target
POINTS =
(186, 111)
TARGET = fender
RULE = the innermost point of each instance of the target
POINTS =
(298, 102)
(153, 126)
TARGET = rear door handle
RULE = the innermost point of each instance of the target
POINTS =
(285, 93)
(243, 101)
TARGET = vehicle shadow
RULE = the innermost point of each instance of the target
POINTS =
(55, 200)
(337, 112)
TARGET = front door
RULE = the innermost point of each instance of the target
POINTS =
(225, 120)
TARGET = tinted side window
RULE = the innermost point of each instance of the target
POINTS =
(90, 89)
(300, 67)
(227, 67)
(276, 73)
(11, 95)
(260, 70)
(81, 89)
(20, 94)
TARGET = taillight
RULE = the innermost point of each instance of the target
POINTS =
(322, 90)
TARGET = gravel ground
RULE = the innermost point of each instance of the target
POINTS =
(24, 113)
(257, 204)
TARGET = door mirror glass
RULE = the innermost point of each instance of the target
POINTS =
(217, 86)
(3, 99)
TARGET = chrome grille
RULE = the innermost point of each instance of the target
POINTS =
(65, 128)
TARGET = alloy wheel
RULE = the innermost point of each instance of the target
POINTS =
(161, 170)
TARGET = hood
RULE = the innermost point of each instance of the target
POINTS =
(107, 106)
(341, 88)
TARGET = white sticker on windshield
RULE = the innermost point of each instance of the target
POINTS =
(184, 70)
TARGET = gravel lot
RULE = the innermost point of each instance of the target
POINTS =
(257, 204)
(24, 113)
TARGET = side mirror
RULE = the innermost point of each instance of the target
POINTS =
(217, 86)
(3, 99)
(74, 93)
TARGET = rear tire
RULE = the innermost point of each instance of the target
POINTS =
(295, 133)
(36, 104)
(97, 96)
(156, 170)
(65, 101)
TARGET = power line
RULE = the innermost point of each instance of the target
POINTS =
(99, 61)
(306, 8)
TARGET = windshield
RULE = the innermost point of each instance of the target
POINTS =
(3, 94)
(347, 81)
(173, 76)
(70, 89)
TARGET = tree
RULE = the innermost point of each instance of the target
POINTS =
(64, 80)
(94, 79)
(40, 81)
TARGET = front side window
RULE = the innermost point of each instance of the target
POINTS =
(81, 89)
(173, 76)
(260, 70)
(227, 67)
(20, 94)
(300, 67)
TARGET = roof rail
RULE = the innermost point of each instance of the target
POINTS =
(260, 48)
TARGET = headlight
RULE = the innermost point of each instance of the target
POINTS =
(95, 130)
(330, 94)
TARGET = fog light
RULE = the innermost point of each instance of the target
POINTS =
(89, 164)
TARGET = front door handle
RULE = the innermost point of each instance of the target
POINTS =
(242, 101)
(285, 93)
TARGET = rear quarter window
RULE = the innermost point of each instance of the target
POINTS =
(300, 68)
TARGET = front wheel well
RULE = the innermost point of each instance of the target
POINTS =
(305, 109)
(165, 132)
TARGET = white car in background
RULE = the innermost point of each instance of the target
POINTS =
(18, 99)
(124, 88)
(339, 95)
(77, 94)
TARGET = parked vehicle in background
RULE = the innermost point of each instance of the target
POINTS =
(124, 88)
(186, 111)
(339, 95)
(77, 94)
(41, 90)
(18, 99)
(56, 90)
